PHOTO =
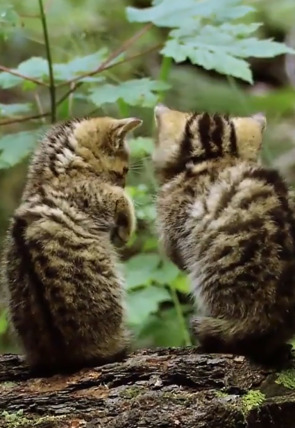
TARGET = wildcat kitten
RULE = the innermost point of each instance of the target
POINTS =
(228, 222)
(60, 264)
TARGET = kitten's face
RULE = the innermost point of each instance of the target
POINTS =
(191, 137)
(101, 143)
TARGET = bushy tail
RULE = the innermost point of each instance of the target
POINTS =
(243, 337)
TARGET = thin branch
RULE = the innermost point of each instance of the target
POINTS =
(21, 76)
(23, 119)
(50, 68)
(104, 65)
(76, 86)
(130, 58)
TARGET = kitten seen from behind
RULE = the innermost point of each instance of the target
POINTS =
(60, 266)
(228, 222)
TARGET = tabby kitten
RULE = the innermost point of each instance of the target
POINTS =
(60, 264)
(227, 221)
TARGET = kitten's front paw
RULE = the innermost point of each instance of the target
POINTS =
(122, 231)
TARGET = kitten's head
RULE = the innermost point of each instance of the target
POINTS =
(101, 142)
(185, 138)
(96, 144)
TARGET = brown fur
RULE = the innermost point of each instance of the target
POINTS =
(228, 222)
(60, 264)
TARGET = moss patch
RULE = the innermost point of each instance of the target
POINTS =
(252, 399)
(14, 420)
(221, 394)
(8, 384)
(17, 419)
(287, 378)
(131, 392)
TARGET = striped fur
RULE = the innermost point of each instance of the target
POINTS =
(230, 224)
(60, 266)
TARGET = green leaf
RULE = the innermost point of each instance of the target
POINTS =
(14, 109)
(141, 303)
(139, 270)
(37, 68)
(141, 146)
(80, 65)
(166, 273)
(15, 147)
(162, 329)
(181, 283)
(8, 15)
(209, 57)
(139, 92)
(8, 80)
(173, 13)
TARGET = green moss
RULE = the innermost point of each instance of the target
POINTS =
(131, 392)
(221, 394)
(252, 399)
(287, 378)
(8, 384)
(14, 420)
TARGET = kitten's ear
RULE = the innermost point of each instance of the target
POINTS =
(159, 110)
(261, 119)
(123, 126)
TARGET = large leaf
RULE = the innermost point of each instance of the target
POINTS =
(81, 65)
(161, 329)
(37, 67)
(141, 303)
(175, 13)
(220, 49)
(138, 92)
(15, 147)
(141, 146)
(140, 268)
(14, 109)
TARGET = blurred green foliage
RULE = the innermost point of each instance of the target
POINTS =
(120, 58)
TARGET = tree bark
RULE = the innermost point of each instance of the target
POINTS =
(152, 388)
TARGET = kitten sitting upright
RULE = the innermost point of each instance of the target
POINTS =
(60, 264)
(227, 221)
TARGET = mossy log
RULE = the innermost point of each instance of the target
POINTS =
(152, 388)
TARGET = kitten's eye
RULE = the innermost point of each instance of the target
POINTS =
(86, 203)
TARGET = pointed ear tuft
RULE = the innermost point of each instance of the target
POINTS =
(160, 109)
(126, 125)
(261, 119)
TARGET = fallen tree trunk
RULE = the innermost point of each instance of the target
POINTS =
(153, 388)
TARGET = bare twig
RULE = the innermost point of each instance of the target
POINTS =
(22, 76)
(74, 87)
(23, 119)
(104, 65)
(50, 68)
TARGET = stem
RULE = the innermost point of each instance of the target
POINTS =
(181, 320)
(23, 119)
(49, 59)
(164, 72)
(21, 76)
(76, 86)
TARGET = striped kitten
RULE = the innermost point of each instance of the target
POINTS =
(60, 264)
(227, 221)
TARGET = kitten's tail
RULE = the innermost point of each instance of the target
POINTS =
(244, 337)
